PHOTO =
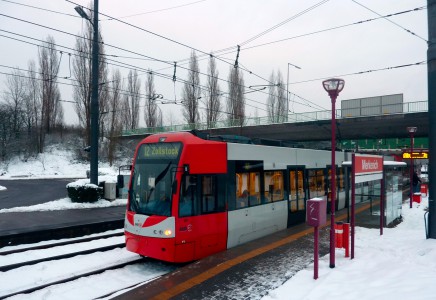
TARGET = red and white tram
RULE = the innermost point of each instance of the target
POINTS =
(191, 197)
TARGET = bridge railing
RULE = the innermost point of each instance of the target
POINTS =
(387, 109)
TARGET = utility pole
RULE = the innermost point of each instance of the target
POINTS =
(94, 101)
(431, 69)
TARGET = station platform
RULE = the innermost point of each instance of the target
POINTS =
(253, 268)
(248, 271)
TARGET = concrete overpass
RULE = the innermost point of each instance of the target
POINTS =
(313, 129)
(372, 127)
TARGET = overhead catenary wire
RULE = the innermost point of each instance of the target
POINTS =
(396, 24)
(202, 74)
(231, 50)
(163, 101)
(122, 92)
(424, 62)
(119, 48)
(187, 46)
(159, 10)
(150, 32)
(82, 37)
(284, 22)
(204, 54)
(130, 67)
(317, 79)
(40, 8)
(332, 28)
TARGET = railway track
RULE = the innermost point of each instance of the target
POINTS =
(71, 278)
(90, 255)
(13, 239)
(63, 243)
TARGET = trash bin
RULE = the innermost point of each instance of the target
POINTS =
(424, 189)
(110, 190)
(416, 197)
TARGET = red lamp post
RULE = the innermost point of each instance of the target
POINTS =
(333, 87)
(411, 131)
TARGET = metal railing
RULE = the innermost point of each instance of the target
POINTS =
(387, 109)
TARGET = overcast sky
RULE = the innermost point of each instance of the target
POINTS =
(213, 25)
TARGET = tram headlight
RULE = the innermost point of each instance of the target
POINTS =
(168, 232)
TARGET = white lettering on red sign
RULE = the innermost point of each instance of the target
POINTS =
(369, 165)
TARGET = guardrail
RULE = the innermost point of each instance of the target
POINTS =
(389, 109)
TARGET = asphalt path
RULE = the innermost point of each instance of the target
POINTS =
(26, 192)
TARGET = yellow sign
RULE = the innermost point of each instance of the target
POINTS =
(416, 155)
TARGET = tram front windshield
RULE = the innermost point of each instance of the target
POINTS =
(153, 175)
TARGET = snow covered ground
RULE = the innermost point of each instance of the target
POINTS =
(401, 264)
(56, 163)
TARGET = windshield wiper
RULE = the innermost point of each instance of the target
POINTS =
(159, 178)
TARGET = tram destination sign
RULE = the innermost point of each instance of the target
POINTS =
(159, 151)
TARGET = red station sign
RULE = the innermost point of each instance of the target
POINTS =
(368, 168)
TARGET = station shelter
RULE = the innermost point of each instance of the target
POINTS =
(395, 194)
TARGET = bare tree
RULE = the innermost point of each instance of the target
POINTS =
(236, 99)
(212, 94)
(12, 115)
(33, 99)
(276, 103)
(48, 69)
(281, 98)
(82, 74)
(170, 119)
(150, 109)
(6, 134)
(113, 116)
(191, 92)
(159, 118)
(131, 106)
(15, 96)
(57, 118)
(271, 106)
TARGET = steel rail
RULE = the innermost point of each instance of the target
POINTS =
(68, 279)
(64, 243)
(5, 268)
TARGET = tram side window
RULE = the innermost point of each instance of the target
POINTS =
(341, 178)
(316, 183)
(188, 196)
(274, 186)
(247, 189)
(209, 194)
(296, 190)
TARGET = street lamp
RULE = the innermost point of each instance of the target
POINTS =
(287, 90)
(333, 87)
(93, 176)
(411, 131)
(82, 13)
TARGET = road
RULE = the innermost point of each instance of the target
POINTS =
(26, 192)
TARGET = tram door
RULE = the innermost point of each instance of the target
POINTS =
(297, 195)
